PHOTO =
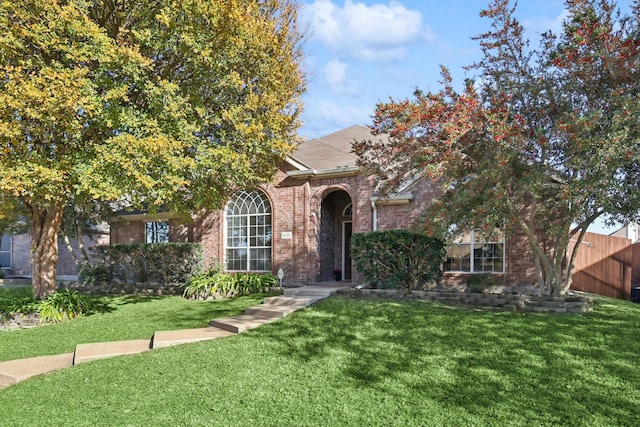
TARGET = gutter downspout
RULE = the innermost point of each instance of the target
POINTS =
(374, 209)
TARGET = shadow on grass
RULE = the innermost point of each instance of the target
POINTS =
(510, 366)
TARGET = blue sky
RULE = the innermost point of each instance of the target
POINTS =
(361, 52)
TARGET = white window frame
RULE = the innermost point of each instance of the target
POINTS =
(472, 243)
(268, 225)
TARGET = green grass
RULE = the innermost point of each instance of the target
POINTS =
(116, 318)
(363, 362)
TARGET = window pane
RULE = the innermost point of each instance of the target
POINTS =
(5, 245)
(458, 257)
(249, 227)
(5, 259)
(157, 232)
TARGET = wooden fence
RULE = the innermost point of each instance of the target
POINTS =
(606, 265)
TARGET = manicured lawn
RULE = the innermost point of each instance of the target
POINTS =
(116, 318)
(362, 362)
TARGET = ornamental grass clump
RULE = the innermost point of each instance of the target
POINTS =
(62, 304)
(217, 283)
(66, 304)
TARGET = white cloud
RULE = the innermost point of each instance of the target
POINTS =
(377, 32)
(324, 117)
(335, 75)
(335, 72)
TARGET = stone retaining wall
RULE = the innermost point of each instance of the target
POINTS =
(572, 303)
(20, 321)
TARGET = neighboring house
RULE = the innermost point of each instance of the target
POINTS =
(630, 231)
(15, 257)
(303, 220)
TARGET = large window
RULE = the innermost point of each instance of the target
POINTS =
(157, 232)
(248, 232)
(472, 252)
(5, 251)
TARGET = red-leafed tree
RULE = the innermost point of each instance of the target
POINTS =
(544, 141)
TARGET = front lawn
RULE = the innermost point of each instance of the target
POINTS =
(116, 318)
(363, 362)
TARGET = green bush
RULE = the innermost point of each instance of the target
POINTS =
(217, 282)
(66, 303)
(92, 274)
(480, 282)
(144, 262)
(397, 258)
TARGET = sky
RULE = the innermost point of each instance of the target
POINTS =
(362, 52)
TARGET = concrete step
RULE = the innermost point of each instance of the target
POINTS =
(240, 323)
(309, 291)
(294, 301)
(101, 350)
(169, 338)
(14, 371)
(270, 310)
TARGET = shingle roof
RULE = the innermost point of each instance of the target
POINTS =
(333, 150)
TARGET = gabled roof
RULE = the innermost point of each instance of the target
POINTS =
(331, 151)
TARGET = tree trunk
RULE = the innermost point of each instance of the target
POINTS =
(45, 226)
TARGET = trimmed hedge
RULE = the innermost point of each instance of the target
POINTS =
(143, 262)
(398, 258)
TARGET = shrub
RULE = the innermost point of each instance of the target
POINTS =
(397, 258)
(480, 282)
(146, 262)
(92, 274)
(217, 282)
(66, 303)
(207, 284)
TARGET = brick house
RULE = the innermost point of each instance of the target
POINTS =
(302, 222)
(15, 257)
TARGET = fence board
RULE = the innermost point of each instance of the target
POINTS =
(604, 265)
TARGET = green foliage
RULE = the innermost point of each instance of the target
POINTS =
(92, 274)
(144, 262)
(17, 304)
(545, 142)
(480, 282)
(63, 304)
(54, 308)
(166, 104)
(397, 258)
(216, 282)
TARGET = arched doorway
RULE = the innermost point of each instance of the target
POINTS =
(335, 236)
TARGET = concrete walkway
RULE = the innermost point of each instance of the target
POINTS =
(270, 310)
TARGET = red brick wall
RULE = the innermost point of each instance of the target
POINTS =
(125, 232)
(299, 235)
(402, 216)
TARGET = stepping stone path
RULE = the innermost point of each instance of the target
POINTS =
(272, 309)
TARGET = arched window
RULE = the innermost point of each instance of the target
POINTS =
(249, 233)
(348, 211)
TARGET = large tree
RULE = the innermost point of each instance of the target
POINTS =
(542, 141)
(167, 104)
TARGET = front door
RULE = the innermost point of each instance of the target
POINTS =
(346, 249)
